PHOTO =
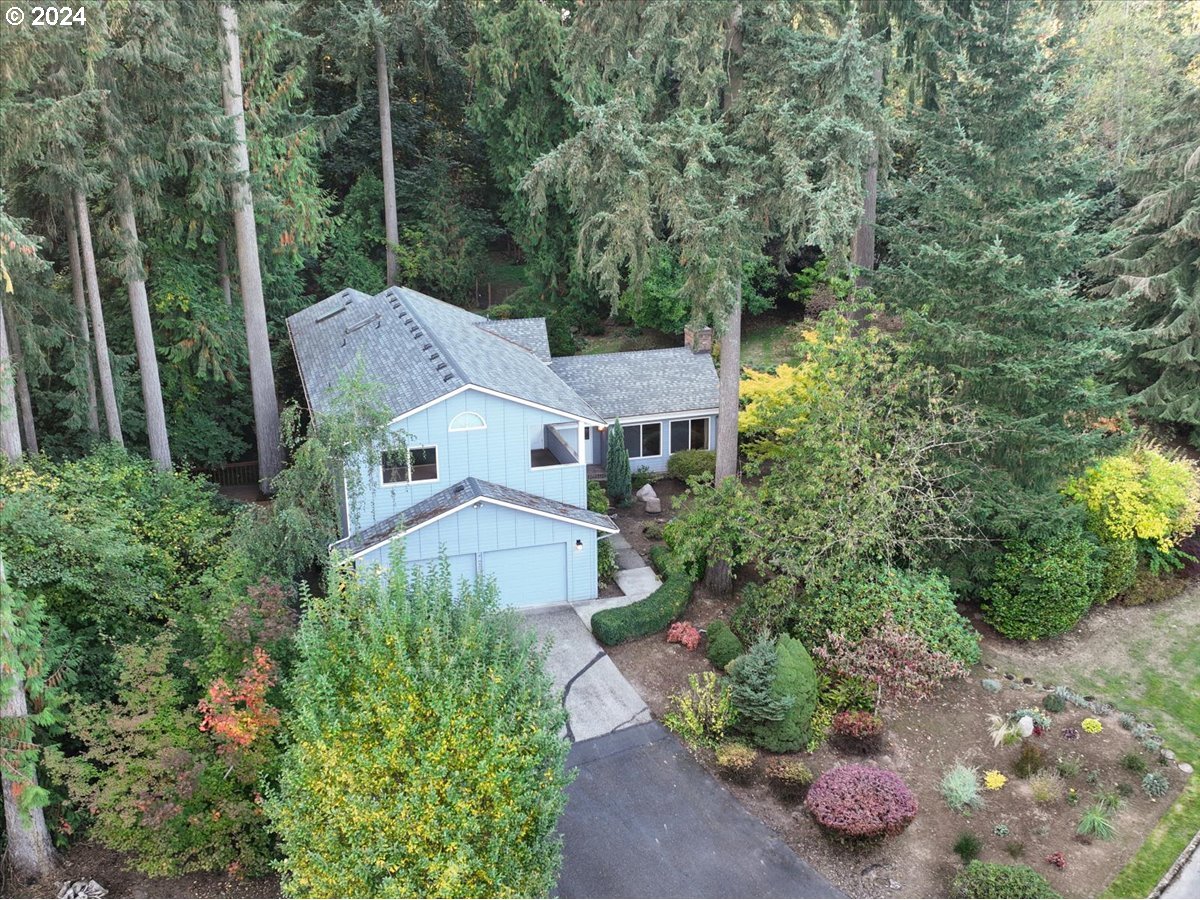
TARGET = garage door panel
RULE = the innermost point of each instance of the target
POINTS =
(527, 576)
(462, 567)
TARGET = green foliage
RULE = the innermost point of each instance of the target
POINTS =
(1134, 762)
(688, 464)
(714, 525)
(968, 846)
(1096, 824)
(1120, 569)
(723, 645)
(399, 684)
(156, 786)
(597, 499)
(1042, 589)
(986, 241)
(774, 689)
(1046, 786)
(1155, 785)
(703, 714)
(769, 609)
(112, 547)
(646, 616)
(789, 778)
(618, 479)
(995, 881)
(661, 561)
(960, 788)
(1030, 760)
(606, 563)
(641, 477)
(353, 256)
(920, 602)
(819, 289)
(1054, 702)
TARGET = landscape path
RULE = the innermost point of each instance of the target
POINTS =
(644, 819)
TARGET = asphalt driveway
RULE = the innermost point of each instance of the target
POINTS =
(644, 819)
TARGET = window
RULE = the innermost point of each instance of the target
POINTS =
(643, 440)
(689, 434)
(467, 421)
(420, 464)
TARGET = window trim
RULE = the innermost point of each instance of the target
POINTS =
(409, 452)
(467, 412)
(707, 433)
(641, 426)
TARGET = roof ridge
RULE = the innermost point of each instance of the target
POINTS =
(428, 334)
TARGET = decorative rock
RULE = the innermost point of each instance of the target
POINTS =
(646, 491)
(68, 890)
(1025, 726)
(1186, 768)
(1168, 755)
(653, 505)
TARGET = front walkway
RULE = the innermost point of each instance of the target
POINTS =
(644, 819)
(636, 580)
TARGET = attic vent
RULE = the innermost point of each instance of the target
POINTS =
(433, 356)
(426, 345)
(459, 488)
(362, 323)
(448, 377)
(329, 315)
(440, 366)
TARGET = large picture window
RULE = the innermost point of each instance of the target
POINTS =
(643, 440)
(689, 434)
(418, 464)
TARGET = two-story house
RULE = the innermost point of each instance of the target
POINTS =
(497, 435)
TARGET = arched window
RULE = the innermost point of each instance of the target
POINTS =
(467, 421)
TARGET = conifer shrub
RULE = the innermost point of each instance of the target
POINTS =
(995, 881)
(723, 645)
(688, 464)
(774, 688)
(1030, 760)
(1040, 590)
(424, 754)
(618, 481)
(861, 802)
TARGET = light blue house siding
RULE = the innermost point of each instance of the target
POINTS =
(597, 444)
(534, 559)
(499, 453)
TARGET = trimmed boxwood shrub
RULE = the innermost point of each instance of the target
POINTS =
(688, 464)
(1040, 590)
(861, 802)
(656, 612)
(984, 881)
(660, 561)
(1120, 569)
(723, 645)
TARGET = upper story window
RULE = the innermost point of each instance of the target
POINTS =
(643, 440)
(689, 434)
(417, 465)
(467, 421)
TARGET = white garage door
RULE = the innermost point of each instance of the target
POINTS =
(526, 576)
(461, 567)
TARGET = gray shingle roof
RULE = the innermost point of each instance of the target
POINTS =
(466, 491)
(642, 382)
(527, 333)
(418, 349)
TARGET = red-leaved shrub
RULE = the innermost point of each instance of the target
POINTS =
(858, 730)
(861, 802)
(684, 633)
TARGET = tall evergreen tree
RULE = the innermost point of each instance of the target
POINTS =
(984, 246)
(83, 359)
(616, 465)
(712, 128)
(24, 400)
(262, 373)
(108, 394)
(1157, 272)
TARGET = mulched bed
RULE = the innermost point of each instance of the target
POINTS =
(924, 741)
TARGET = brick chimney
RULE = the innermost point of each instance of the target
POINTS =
(699, 340)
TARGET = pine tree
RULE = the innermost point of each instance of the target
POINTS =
(29, 849)
(618, 480)
(1157, 271)
(984, 247)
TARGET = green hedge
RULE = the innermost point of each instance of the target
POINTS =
(985, 881)
(660, 561)
(688, 464)
(723, 645)
(656, 612)
(597, 499)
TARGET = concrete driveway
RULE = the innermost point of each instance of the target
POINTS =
(644, 819)
(596, 695)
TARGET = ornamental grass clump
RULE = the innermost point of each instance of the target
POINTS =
(425, 755)
(1095, 823)
(861, 802)
(960, 788)
(1046, 786)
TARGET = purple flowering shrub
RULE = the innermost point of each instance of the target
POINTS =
(861, 802)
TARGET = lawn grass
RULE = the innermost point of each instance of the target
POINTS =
(767, 344)
(1163, 845)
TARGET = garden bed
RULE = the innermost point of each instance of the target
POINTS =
(924, 741)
